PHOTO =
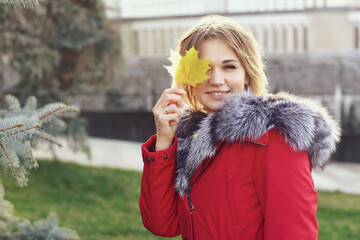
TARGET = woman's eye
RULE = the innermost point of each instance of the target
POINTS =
(230, 67)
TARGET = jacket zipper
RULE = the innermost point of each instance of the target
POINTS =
(191, 206)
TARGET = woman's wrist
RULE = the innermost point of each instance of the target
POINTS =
(162, 144)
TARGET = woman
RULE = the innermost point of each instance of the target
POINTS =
(237, 163)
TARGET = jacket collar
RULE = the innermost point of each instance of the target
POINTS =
(304, 124)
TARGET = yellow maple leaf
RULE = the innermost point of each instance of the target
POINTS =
(188, 69)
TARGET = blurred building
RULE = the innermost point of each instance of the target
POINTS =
(151, 27)
(311, 48)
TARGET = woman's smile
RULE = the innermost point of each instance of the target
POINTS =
(220, 95)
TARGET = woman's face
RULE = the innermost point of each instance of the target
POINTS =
(226, 76)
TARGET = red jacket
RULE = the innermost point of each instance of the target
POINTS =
(226, 178)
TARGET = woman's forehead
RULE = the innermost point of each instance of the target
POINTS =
(214, 45)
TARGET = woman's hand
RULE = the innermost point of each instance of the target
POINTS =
(167, 114)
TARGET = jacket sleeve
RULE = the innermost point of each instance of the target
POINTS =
(158, 199)
(286, 191)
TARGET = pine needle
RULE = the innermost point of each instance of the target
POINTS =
(7, 155)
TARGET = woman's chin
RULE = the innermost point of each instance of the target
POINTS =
(214, 106)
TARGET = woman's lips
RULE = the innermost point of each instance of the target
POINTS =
(217, 94)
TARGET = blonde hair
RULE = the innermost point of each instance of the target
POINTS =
(241, 41)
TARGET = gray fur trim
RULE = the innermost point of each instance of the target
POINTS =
(304, 124)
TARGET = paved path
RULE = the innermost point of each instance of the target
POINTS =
(344, 177)
(105, 153)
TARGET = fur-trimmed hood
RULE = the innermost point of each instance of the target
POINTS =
(303, 123)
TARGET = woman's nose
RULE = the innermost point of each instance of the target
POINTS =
(215, 77)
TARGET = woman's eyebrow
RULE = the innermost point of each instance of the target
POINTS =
(229, 60)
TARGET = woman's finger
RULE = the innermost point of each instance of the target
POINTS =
(171, 99)
(171, 95)
(172, 108)
(174, 122)
(177, 91)
(167, 118)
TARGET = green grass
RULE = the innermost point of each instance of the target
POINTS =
(98, 203)
(102, 203)
(339, 216)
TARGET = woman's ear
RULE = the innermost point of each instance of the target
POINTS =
(247, 87)
(247, 79)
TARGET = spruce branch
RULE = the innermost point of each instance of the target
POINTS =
(12, 127)
(52, 111)
(10, 123)
(31, 103)
(13, 103)
(70, 111)
(58, 123)
(48, 138)
(20, 176)
(47, 229)
(19, 126)
(22, 134)
(6, 154)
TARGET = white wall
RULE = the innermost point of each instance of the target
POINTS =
(277, 33)
(157, 8)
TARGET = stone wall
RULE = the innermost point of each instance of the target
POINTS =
(332, 79)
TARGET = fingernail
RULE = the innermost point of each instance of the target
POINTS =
(182, 91)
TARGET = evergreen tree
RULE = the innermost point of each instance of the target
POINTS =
(18, 127)
(57, 47)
